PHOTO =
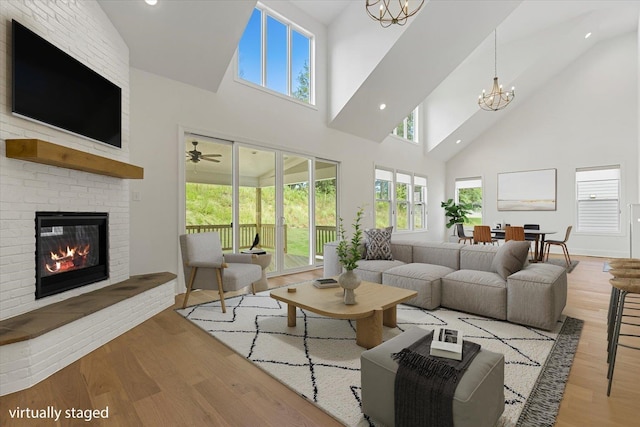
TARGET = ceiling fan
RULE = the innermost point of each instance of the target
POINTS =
(195, 156)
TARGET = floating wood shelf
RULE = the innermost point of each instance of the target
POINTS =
(38, 151)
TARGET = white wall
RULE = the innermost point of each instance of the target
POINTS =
(159, 106)
(587, 115)
(82, 30)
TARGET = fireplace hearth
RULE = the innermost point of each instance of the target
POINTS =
(71, 250)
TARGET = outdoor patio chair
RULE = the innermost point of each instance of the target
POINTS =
(206, 267)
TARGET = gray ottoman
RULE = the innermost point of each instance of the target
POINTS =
(478, 400)
(423, 278)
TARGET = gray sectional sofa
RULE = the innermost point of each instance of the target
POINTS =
(491, 281)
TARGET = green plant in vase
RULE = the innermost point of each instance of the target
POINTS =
(349, 254)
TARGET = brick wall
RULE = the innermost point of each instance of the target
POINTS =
(81, 29)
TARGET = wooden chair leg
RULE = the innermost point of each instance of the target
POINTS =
(253, 288)
(189, 286)
(220, 290)
(567, 258)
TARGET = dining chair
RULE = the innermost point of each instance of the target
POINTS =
(482, 234)
(461, 236)
(562, 244)
(512, 232)
(206, 267)
(531, 238)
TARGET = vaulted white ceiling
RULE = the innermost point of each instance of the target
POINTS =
(442, 59)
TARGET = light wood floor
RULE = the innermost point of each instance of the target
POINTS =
(168, 372)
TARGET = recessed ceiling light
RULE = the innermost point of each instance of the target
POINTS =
(151, 2)
(383, 106)
(458, 141)
(586, 36)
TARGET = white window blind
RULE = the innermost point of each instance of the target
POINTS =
(598, 199)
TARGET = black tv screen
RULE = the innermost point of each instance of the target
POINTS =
(51, 87)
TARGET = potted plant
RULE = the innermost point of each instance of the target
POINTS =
(349, 254)
(456, 212)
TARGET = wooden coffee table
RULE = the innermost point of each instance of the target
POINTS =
(375, 306)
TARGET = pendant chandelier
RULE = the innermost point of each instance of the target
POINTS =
(387, 15)
(497, 99)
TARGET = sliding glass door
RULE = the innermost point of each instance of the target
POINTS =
(288, 200)
(256, 201)
(296, 219)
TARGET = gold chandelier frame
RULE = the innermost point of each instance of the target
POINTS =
(497, 99)
(387, 15)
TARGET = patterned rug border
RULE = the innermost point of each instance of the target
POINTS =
(541, 407)
(543, 404)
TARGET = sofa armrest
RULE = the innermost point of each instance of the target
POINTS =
(331, 263)
(536, 295)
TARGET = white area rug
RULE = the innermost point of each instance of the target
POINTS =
(320, 360)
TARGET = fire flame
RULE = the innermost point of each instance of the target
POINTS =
(67, 260)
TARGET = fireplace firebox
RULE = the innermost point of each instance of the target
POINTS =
(71, 250)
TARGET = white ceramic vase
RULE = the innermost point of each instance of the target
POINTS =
(349, 281)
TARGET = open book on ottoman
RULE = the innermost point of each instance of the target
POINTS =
(447, 343)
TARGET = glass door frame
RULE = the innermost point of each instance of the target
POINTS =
(279, 198)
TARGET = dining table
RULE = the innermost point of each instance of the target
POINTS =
(538, 236)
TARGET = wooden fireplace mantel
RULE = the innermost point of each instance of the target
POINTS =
(48, 153)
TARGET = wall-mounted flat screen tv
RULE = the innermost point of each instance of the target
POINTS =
(51, 87)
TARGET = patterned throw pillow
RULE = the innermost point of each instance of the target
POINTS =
(378, 243)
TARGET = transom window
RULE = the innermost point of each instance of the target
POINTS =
(408, 128)
(598, 199)
(276, 54)
(400, 200)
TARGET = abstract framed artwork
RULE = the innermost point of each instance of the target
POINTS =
(527, 190)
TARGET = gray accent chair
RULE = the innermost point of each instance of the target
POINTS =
(206, 267)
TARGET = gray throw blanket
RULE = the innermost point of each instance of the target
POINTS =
(425, 385)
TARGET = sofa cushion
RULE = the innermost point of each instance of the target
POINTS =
(371, 271)
(423, 278)
(378, 243)
(402, 250)
(477, 257)
(510, 258)
(446, 254)
(473, 291)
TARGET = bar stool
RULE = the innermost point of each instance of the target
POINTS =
(625, 281)
(617, 265)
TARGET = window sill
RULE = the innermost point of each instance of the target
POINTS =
(274, 93)
(399, 138)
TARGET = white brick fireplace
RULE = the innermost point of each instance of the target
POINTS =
(81, 29)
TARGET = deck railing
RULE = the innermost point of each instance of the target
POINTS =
(324, 234)
(267, 232)
(247, 233)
